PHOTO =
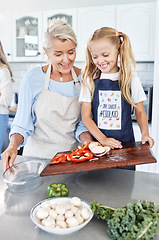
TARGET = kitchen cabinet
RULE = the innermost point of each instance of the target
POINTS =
(6, 36)
(68, 15)
(27, 37)
(90, 19)
(138, 22)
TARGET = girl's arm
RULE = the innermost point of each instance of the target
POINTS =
(143, 124)
(94, 130)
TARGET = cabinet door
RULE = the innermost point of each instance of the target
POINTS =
(6, 35)
(90, 19)
(68, 15)
(27, 37)
(138, 22)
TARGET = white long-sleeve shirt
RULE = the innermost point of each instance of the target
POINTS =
(6, 92)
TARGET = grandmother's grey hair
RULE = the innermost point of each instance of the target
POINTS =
(58, 29)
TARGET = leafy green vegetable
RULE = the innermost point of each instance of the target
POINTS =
(135, 221)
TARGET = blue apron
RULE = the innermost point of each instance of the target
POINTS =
(111, 112)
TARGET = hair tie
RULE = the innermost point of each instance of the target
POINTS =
(120, 34)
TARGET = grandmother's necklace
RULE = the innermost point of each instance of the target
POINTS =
(61, 77)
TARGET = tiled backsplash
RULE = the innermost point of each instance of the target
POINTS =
(144, 70)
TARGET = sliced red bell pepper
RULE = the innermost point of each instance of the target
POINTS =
(81, 154)
(59, 158)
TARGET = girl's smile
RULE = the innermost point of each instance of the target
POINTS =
(104, 55)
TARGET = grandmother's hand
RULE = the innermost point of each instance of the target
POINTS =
(9, 156)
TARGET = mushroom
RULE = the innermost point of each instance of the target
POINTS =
(42, 213)
(76, 201)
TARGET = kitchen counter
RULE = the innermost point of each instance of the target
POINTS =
(112, 187)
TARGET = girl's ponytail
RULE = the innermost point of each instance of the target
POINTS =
(126, 61)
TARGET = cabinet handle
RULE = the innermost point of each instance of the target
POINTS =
(38, 53)
(8, 54)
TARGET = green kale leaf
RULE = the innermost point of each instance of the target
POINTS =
(135, 221)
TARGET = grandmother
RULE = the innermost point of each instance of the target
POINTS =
(48, 112)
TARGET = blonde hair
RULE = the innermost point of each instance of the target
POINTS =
(3, 60)
(122, 43)
(58, 29)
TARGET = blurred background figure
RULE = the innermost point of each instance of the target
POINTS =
(6, 94)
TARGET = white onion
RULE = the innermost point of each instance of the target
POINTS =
(93, 144)
(98, 150)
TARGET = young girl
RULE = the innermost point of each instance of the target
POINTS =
(109, 92)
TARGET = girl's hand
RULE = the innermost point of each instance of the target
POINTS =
(112, 143)
(148, 139)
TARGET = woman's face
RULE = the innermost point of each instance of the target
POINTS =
(104, 55)
(62, 55)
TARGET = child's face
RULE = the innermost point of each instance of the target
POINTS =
(104, 55)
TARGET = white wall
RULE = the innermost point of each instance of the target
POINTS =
(154, 168)
(12, 7)
(155, 112)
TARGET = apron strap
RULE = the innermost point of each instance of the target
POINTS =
(75, 79)
(47, 77)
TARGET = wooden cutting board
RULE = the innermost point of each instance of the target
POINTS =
(131, 154)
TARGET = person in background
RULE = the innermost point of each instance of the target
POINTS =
(48, 110)
(109, 92)
(6, 94)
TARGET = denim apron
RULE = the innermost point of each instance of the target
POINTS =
(111, 112)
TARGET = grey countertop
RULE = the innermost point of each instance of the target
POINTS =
(111, 187)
